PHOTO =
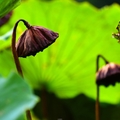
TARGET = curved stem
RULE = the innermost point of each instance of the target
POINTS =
(17, 63)
(97, 61)
(16, 59)
(97, 99)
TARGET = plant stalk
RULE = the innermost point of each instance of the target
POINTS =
(16, 59)
(97, 109)
(97, 61)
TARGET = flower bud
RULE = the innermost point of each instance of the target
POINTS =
(108, 74)
(33, 40)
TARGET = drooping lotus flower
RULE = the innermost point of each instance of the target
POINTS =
(34, 39)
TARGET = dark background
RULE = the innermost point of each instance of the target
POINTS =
(79, 108)
(101, 3)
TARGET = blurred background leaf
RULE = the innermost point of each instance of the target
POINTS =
(16, 97)
(67, 68)
(64, 74)
(7, 5)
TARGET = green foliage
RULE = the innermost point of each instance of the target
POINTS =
(7, 5)
(67, 68)
(15, 97)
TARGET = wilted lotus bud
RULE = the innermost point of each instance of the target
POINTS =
(33, 40)
(108, 74)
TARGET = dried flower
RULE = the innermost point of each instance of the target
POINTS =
(117, 35)
(108, 74)
(34, 39)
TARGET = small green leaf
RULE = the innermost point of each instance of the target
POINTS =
(15, 97)
(7, 5)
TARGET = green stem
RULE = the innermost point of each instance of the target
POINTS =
(16, 59)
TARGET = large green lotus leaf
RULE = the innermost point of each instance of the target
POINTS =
(15, 97)
(7, 5)
(67, 67)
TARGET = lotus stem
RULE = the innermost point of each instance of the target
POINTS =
(97, 108)
(16, 59)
